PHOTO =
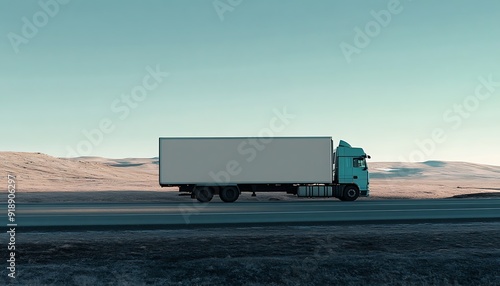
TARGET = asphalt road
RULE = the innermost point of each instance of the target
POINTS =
(218, 213)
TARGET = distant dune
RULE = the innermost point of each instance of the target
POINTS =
(38, 172)
(434, 170)
(434, 179)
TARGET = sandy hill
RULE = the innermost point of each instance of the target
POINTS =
(435, 170)
(38, 172)
(433, 179)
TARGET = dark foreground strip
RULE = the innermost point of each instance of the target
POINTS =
(74, 228)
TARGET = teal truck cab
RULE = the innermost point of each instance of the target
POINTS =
(350, 168)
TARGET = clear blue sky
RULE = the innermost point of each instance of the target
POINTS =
(230, 70)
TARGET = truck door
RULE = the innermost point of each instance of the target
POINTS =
(360, 173)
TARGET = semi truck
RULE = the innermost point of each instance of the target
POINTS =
(302, 166)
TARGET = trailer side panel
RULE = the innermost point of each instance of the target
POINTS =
(284, 160)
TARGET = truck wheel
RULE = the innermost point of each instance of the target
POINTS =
(229, 194)
(203, 194)
(351, 193)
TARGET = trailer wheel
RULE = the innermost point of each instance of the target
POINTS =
(203, 194)
(351, 193)
(229, 194)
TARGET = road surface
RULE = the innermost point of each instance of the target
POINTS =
(218, 213)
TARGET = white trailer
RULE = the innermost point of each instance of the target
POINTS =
(229, 166)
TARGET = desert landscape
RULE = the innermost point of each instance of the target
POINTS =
(386, 254)
(43, 178)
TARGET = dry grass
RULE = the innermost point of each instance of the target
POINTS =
(445, 254)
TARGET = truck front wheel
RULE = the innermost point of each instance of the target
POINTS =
(203, 194)
(229, 194)
(351, 193)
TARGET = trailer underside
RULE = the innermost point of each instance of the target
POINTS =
(230, 193)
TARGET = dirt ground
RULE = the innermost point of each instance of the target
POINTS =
(420, 254)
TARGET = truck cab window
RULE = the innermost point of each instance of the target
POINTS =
(359, 163)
